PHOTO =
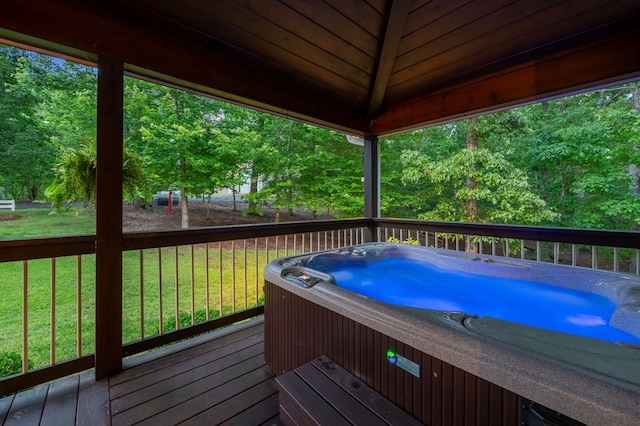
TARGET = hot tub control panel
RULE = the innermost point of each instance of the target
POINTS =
(305, 277)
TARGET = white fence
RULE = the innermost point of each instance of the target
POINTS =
(8, 204)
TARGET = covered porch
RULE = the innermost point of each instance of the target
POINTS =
(370, 69)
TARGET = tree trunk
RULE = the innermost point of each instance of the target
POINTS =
(235, 204)
(471, 204)
(184, 202)
(277, 218)
(184, 199)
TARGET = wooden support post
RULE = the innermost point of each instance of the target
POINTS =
(371, 182)
(108, 357)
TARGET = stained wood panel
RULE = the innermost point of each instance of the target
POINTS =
(506, 34)
(298, 331)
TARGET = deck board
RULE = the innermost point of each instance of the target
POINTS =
(220, 377)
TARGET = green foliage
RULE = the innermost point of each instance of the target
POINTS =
(409, 241)
(76, 176)
(11, 363)
(501, 191)
(570, 162)
(184, 319)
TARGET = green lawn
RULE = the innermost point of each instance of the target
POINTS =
(44, 222)
(226, 289)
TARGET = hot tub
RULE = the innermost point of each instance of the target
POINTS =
(564, 337)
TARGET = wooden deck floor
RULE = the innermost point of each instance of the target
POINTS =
(218, 378)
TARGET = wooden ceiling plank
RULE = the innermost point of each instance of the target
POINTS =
(534, 30)
(312, 32)
(339, 25)
(210, 26)
(424, 14)
(229, 74)
(395, 29)
(277, 44)
(458, 27)
(611, 58)
(362, 14)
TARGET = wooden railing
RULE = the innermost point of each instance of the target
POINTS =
(177, 284)
(617, 251)
(211, 276)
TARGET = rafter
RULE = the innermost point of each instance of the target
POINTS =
(393, 35)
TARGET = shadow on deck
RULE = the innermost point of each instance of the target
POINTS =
(217, 378)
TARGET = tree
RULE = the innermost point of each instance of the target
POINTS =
(27, 154)
(475, 184)
(178, 136)
(581, 152)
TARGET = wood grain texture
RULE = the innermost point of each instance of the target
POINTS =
(443, 395)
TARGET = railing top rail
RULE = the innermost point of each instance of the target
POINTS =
(42, 248)
(39, 248)
(142, 240)
(628, 239)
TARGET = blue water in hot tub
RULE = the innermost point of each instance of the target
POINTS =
(411, 283)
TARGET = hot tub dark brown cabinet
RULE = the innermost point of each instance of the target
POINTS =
(298, 331)
(445, 373)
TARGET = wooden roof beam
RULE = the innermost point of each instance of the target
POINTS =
(612, 55)
(393, 35)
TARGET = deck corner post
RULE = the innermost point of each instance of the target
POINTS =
(108, 350)
(371, 184)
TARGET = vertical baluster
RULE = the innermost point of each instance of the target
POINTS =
(506, 247)
(446, 241)
(256, 267)
(616, 266)
(286, 245)
(246, 287)
(574, 255)
(176, 279)
(522, 249)
(538, 252)
(233, 276)
(594, 257)
(220, 296)
(52, 346)
(79, 306)
(266, 245)
(333, 239)
(493, 246)
(141, 257)
(206, 281)
(556, 252)
(277, 249)
(25, 316)
(637, 261)
(193, 287)
(160, 289)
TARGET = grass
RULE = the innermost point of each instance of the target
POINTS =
(179, 274)
(43, 222)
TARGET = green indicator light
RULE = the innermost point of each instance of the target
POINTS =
(392, 357)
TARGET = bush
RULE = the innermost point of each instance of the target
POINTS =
(11, 363)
